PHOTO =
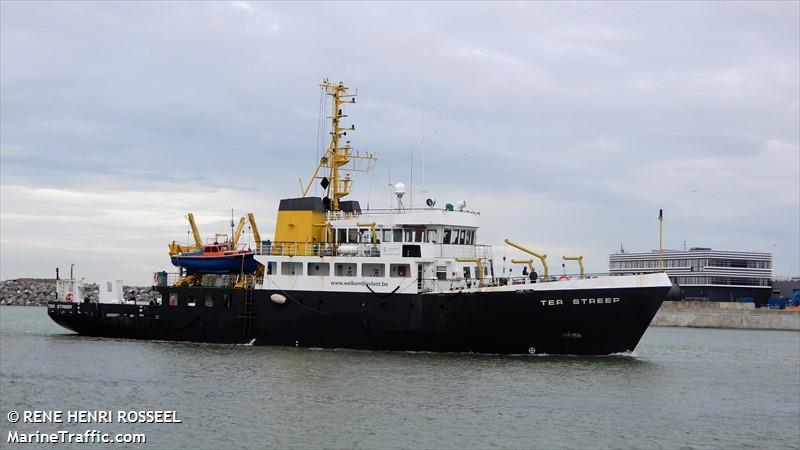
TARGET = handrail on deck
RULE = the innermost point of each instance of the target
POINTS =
(364, 249)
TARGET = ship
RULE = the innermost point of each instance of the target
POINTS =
(396, 279)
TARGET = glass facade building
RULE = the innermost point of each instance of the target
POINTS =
(704, 274)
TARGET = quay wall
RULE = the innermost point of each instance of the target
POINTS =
(725, 315)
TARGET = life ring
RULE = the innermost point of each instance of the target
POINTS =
(563, 277)
(68, 297)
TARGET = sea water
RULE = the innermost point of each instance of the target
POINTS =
(691, 388)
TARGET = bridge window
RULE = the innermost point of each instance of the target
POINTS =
(397, 235)
(191, 300)
(352, 236)
(173, 299)
(341, 235)
(373, 270)
(433, 236)
(319, 269)
(291, 268)
(271, 266)
(399, 270)
(345, 269)
(209, 300)
(462, 237)
(411, 251)
(408, 235)
(386, 235)
(446, 237)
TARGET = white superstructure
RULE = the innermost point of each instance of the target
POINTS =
(410, 251)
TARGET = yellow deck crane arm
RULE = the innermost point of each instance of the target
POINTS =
(175, 248)
(575, 258)
(371, 226)
(238, 233)
(256, 234)
(542, 258)
(198, 241)
(529, 262)
(478, 264)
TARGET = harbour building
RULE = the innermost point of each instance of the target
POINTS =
(704, 274)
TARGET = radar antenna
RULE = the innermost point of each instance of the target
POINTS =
(400, 191)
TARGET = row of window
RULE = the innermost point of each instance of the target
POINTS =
(193, 300)
(441, 272)
(348, 269)
(684, 281)
(743, 263)
(741, 281)
(457, 236)
(694, 264)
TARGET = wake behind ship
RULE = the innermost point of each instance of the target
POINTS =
(337, 276)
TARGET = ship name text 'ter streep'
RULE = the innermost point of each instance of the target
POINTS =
(581, 301)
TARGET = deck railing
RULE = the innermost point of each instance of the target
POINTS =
(341, 215)
(424, 285)
(166, 279)
(268, 248)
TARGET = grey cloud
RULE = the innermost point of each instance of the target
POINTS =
(553, 115)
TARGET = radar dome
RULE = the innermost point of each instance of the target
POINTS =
(400, 188)
(461, 204)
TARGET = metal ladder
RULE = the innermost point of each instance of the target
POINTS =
(247, 316)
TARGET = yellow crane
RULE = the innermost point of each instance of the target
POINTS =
(256, 234)
(575, 258)
(529, 262)
(532, 253)
(371, 226)
(175, 248)
(238, 233)
(478, 264)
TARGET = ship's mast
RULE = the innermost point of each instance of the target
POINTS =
(338, 155)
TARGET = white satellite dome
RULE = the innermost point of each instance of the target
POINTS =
(399, 189)
(461, 204)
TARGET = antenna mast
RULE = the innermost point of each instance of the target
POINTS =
(338, 155)
(661, 240)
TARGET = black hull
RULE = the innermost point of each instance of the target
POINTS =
(585, 322)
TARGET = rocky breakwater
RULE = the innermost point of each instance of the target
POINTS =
(37, 292)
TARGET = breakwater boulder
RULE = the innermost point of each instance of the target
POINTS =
(38, 291)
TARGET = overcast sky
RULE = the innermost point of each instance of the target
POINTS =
(568, 125)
